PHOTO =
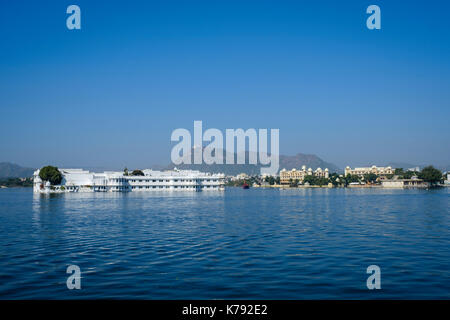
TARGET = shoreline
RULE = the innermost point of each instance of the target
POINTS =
(350, 187)
(314, 186)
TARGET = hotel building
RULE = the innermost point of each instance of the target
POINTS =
(366, 170)
(405, 183)
(286, 176)
(79, 180)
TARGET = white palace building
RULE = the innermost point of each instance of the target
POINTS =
(366, 170)
(79, 180)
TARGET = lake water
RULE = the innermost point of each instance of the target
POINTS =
(255, 244)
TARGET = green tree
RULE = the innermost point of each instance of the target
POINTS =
(137, 173)
(370, 177)
(323, 181)
(430, 174)
(352, 178)
(409, 174)
(125, 171)
(334, 179)
(51, 174)
(310, 179)
(398, 171)
(270, 180)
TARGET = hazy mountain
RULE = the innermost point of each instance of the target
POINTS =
(287, 162)
(403, 165)
(421, 166)
(158, 167)
(309, 160)
(11, 170)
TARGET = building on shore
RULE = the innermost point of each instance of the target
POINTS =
(79, 180)
(414, 182)
(361, 171)
(287, 176)
(241, 176)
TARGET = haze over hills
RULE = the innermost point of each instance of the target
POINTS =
(286, 162)
(309, 160)
(11, 170)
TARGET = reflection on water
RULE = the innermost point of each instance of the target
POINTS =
(257, 243)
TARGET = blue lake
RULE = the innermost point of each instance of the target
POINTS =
(236, 244)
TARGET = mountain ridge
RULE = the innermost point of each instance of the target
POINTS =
(286, 162)
(12, 170)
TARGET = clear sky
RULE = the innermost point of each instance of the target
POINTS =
(111, 93)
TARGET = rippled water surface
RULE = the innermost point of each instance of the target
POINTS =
(262, 244)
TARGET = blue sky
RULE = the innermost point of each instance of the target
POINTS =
(111, 93)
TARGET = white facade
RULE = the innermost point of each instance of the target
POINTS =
(366, 170)
(405, 183)
(241, 176)
(286, 176)
(79, 180)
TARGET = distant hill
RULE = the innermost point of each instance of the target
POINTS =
(308, 160)
(11, 170)
(403, 165)
(286, 162)
(421, 166)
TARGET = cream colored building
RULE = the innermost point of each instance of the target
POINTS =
(241, 176)
(286, 176)
(405, 183)
(366, 170)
